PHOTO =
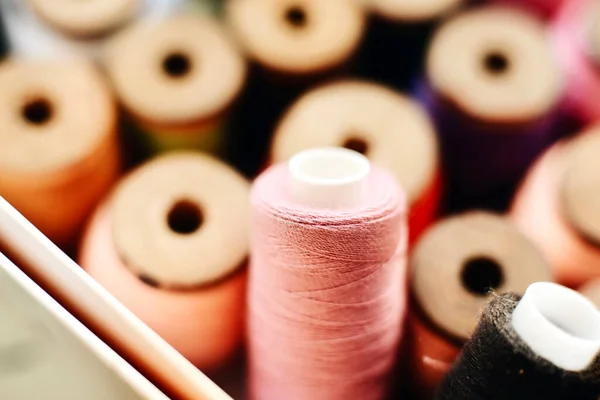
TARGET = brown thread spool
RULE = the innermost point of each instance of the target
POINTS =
(170, 244)
(389, 128)
(555, 207)
(456, 266)
(178, 78)
(85, 18)
(58, 146)
(297, 37)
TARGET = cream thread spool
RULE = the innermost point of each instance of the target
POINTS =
(59, 151)
(46, 29)
(556, 207)
(390, 129)
(157, 244)
(177, 78)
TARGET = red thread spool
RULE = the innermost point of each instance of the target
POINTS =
(59, 152)
(390, 129)
(455, 267)
(157, 245)
(555, 207)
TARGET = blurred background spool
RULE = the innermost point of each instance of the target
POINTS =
(493, 88)
(456, 266)
(591, 290)
(293, 44)
(547, 9)
(38, 28)
(397, 37)
(178, 79)
(557, 207)
(577, 41)
(59, 149)
(326, 288)
(171, 244)
(392, 130)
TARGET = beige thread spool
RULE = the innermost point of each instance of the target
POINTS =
(170, 244)
(556, 207)
(58, 146)
(453, 267)
(389, 128)
(85, 18)
(177, 78)
(297, 37)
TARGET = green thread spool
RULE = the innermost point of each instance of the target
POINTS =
(177, 79)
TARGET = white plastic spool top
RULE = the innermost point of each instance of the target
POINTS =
(558, 324)
(329, 177)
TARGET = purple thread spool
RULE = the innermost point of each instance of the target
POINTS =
(493, 90)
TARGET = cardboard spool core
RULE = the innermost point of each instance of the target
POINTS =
(495, 65)
(459, 261)
(413, 10)
(581, 187)
(297, 36)
(158, 70)
(181, 220)
(85, 17)
(53, 115)
(391, 130)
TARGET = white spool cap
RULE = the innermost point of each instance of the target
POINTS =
(558, 324)
(329, 177)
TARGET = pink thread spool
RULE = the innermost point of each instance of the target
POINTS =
(556, 207)
(577, 42)
(326, 291)
(170, 244)
(392, 130)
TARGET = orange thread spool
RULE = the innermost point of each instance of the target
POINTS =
(58, 145)
(157, 244)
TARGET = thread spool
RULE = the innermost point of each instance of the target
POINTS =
(159, 68)
(591, 290)
(37, 28)
(553, 204)
(456, 266)
(577, 44)
(292, 45)
(156, 245)
(58, 146)
(543, 346)
(390, 129)
(493, 89)
(397, 38)
(547, 9)
(308, 319)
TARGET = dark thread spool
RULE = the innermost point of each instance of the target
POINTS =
(496, 364)
(493, 89)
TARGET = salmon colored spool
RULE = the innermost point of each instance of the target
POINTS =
(555, 207)
(577, 41)
(178, 78)
(392, 130)
(58, 146)
(85, 18)
(456, 266)
(170, 244)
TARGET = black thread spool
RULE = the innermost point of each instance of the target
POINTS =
(542, 346)
(397, 37)
(493, 88)
(292, 45)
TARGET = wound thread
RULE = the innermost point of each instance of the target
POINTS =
(326, 292)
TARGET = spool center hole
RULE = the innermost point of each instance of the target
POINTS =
(177, 65)
(357, 144)
(37, 112)
(296, 16)
(185, 217)
(496, 63)
(481, 274)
